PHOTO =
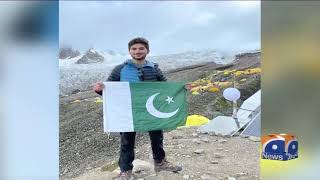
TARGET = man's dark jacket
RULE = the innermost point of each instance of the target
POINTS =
(130, 72)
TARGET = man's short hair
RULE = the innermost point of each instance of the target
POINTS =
(139, 40)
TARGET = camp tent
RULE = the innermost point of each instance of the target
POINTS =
(249, 110)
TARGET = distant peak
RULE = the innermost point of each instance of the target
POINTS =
(92, 50)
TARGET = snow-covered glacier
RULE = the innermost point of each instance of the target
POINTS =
(75, 77)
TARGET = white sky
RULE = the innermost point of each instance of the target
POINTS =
(170, 27)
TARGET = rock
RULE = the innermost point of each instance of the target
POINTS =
(214, 162)
(205, 177)
(196, 141)
(255, 139)
(91, 56)
(212, 133)
(217, 155)
(194, 134)
(177, 137)
(226, 136)
(206, 140)
(241, 174)
(244, 136)
(219, 149)
(186, 177)
(65, 171)
(88, 168)
(203, 132)
(68, 52)
(231, 178)
(139, 165)
(199, 151)
(188, 156)
(222, 141)
(75, 91)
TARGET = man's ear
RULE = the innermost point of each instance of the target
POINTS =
(148, 51)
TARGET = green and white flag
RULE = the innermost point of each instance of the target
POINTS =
(143, 106)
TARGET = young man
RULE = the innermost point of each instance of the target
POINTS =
(135, 70)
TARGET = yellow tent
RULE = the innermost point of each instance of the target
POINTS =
(76, 101)
(214, 89)
(223, 84)
(196, 120)
(98, 100)
(195, 93)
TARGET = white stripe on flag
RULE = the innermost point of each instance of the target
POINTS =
(117, 108)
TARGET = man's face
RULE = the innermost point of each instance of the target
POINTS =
(138, 51)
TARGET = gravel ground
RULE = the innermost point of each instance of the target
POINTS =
(218, 158)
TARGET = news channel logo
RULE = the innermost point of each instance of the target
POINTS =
(280, 147)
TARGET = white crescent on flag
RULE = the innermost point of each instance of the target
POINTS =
(154, 112)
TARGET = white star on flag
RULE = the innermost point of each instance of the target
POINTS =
(169, 99)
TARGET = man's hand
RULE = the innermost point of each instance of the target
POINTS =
(98, 87)
(187, 86)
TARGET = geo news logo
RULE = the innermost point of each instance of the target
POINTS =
(281, 147)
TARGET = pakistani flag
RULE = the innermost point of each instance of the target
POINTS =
(143, 106)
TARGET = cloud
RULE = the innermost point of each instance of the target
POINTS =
(247, 5)
(204, 18)
(169, 26)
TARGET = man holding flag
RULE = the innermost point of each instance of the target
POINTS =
(132, 105)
